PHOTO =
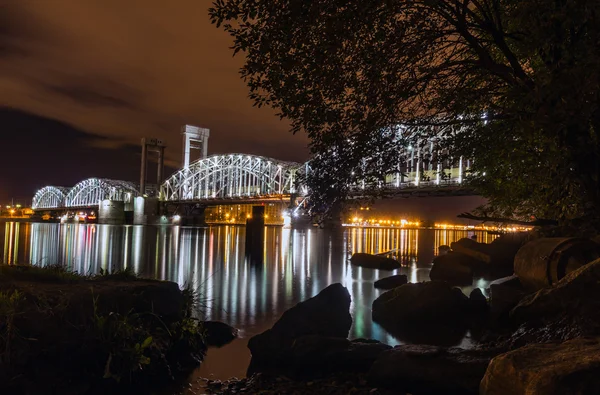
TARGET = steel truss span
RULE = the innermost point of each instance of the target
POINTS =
(92, 191)
(49, 197)
(231, 176)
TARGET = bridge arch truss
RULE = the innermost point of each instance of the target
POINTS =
(231, 176)
(49, 197)
(92, 191)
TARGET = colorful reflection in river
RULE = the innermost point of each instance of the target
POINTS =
(297, 263)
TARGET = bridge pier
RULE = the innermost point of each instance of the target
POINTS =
(145, 210)
(111, 212)
(255, 235)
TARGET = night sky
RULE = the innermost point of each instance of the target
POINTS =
(81, 82)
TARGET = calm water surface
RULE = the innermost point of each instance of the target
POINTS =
(298, 263)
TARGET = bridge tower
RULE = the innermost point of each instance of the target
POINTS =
(155, 145)
(194, 138)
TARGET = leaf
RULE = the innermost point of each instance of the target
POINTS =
(147, 342)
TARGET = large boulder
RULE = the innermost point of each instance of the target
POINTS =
(497, 256)
(505, 294)
(577, 293)
(391, 282)
(572, 367)
(454, 267)
(421, 369)
(478, 300)
(326, 315)
(473, 249)
(569, 309)
(374, 261)
(412, 311)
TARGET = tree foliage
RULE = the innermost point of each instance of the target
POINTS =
(511, 84)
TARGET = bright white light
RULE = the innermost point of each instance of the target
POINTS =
(287, 219)
(176, 218)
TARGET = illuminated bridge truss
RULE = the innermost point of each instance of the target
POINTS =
(49, 197)
(92, 191)
(231, 176)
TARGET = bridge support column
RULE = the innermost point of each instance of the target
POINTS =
(111, 212)
(255, 235)
(145, 210)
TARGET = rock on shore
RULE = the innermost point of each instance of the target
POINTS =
(421, 369)
(453, 267)
(310, 340)
(569, 309)
(572, 367)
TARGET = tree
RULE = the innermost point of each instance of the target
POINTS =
(513, 85)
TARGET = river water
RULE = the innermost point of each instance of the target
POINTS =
(297, 264)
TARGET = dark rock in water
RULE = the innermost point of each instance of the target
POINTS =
(454, 268)
(572, 367)
(218, 333)
(421, 369)
(423, 312)
(374, 261)
(497, 256)
(505, 293)
(391, 282)
(444, 249)
(477, 300)
(326, 315)
(470, 247)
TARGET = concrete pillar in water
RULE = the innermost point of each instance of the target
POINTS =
(255, 235)
(145, 210)
(111, 212)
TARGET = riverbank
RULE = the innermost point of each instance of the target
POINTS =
(61, 332)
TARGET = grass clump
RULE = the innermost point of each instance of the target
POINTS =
(10, 302)
(49, 273)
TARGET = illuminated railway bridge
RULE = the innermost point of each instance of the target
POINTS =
(231, 179)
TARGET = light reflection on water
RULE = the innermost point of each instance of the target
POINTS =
(297, 265)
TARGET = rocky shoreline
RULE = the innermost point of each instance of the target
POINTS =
(542, 340)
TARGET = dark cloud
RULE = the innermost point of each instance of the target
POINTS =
(11, 32)
(94, 93)
(37, 157)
